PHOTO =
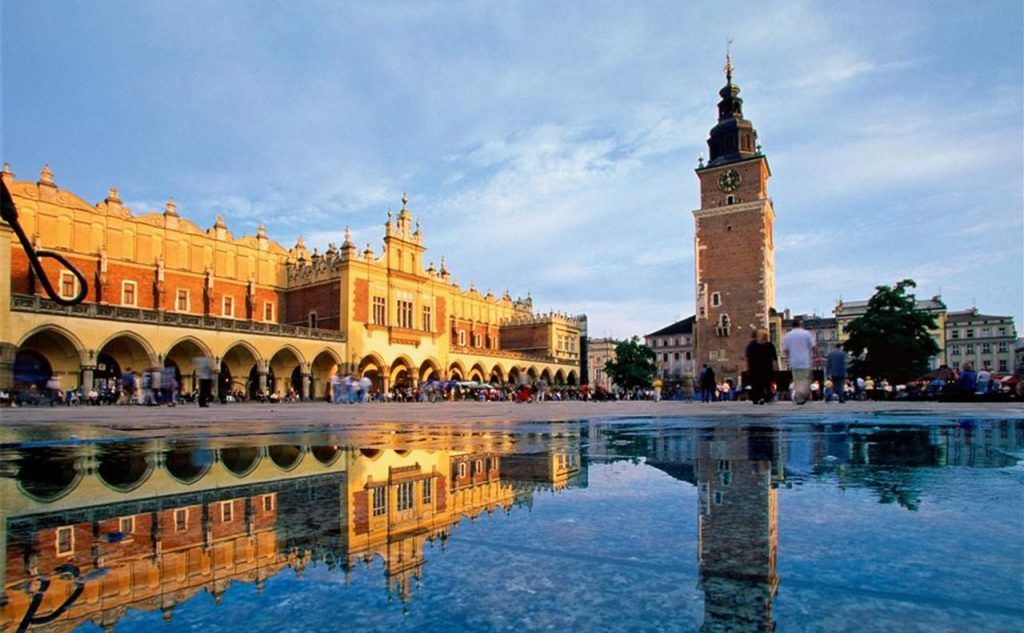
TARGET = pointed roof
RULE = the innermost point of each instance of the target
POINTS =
(679, 327)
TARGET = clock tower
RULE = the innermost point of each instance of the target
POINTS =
(734, 254)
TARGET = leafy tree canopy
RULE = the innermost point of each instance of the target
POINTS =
(891, 340)
(634, 365)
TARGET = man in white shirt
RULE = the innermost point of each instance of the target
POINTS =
(798, 346)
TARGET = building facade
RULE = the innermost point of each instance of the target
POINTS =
(600, 351)
(163, 292)
(734, 253)
(984, 340)
(846, 311)
(673, 346)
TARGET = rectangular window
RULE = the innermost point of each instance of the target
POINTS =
(268, 503)
(986, 348)
(676, 356)
(719, 497)
(380, 311)
(428, 491)
(1001, 346)
(227, 511)
(984, 331)
(180, 519)
(970, 332)
(970, 350)
(68, 285)
(462, 469)
(493, 465)
(227, 307)
(181, 302)
(405, 314)
(1003, 366)
(380, 501)
(955, 350)
(1002, 331)
(129, 293)
(664, 357)
(312, 320)
(268, 311)
(405, 490)
(65, 540)
(428, 323)
(716, 299)
(127, 525)
(478, 341)
(462, 338)
(955, 334)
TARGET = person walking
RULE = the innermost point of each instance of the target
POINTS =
(762, 361)
(798, 345)
(835, 369)
(708, 384)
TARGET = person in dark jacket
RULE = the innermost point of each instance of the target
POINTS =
(835, 369)
(762, 360)
(708, 385)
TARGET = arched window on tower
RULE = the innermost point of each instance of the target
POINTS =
(724, 325)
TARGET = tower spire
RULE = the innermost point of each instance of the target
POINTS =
(728, 60)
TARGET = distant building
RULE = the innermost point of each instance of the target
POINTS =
(824, 329)
(847, 311)
(984, 340)
(673, 346)
(600, 351)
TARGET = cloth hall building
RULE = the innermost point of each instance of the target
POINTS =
(162, 292)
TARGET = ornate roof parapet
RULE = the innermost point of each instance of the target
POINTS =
(368, 253)
(220, 229)
(261, 238)
(46, 184)
(443, 272)
(171, 209)
(7, 175)
(348, 249)
(548, 318)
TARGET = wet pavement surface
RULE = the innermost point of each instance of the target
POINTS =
(873, 520)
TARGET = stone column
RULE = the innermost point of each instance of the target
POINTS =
(306, 380)
(7, 353)
(7, 347)
(87, 378)
(262, 384)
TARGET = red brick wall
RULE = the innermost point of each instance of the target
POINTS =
(441, 490)
(324, 299)
(442, 316)
(361, 512)
(361, 301)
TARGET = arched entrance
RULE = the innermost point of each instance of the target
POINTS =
(572, 379)
(285, 371)
(402, 376)
(515, 377)
(129, 352)
(239, 372)
(456, 371)
(559, 377)
(497, 376)
(477, 373)
(546, 376)
(372, 367)
(323, 367)
(48, 351)
(430, 370)
(183, 356)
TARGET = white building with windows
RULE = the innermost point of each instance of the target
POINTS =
(673, 346)
(984, 340)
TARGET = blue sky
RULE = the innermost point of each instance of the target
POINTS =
(549, 147)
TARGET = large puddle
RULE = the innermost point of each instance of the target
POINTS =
(635, 525)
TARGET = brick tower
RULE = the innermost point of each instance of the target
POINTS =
(734, 255)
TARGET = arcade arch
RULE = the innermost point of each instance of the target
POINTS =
(237, 367)
(130, 351)
(321, 369)
(372, 367)
(285, 371)
(456, 371)
(240, 460)
(182, 356)
(497, 376)
(402, 373)
(45, 352)
(477, 373)
(430, 370)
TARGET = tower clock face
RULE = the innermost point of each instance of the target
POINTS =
(729, 181)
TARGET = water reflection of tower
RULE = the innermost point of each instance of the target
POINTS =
(737, 527)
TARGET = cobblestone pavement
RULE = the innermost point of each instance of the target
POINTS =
(263, 417)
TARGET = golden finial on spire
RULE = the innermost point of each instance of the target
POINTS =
(728, 59)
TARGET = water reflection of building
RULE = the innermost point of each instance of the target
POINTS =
(149, 525)
(737, 471)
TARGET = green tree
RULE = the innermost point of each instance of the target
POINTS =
(634, 365)
(891, 340)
